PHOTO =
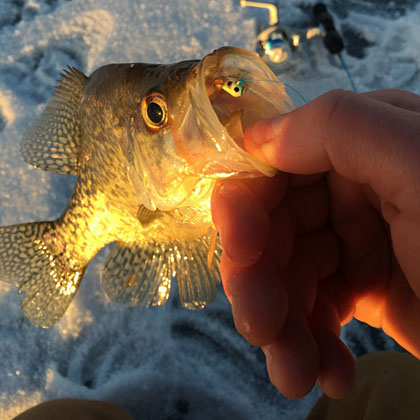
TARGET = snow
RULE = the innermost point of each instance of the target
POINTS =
(160, 363)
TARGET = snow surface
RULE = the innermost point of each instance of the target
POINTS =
(160, 363)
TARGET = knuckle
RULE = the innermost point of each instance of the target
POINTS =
(336, 104)
(336, 115)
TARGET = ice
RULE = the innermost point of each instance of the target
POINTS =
(161, 363)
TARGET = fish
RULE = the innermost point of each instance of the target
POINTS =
(147, 143)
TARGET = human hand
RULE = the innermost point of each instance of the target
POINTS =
(303, 254)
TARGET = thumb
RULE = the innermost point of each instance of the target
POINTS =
(363, 139)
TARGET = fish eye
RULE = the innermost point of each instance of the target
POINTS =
(154, 111)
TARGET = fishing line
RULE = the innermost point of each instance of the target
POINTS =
(333, 41)
(278, 81)
(296, 91)
(346, 69)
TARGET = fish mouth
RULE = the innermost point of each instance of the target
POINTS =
(229, 90)
(204, 136)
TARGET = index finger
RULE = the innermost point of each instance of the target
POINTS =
(363, 139)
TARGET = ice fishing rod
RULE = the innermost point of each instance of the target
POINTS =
(279, 46)
(332, 39)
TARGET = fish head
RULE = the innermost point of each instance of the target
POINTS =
(160, 175)
(186, 124)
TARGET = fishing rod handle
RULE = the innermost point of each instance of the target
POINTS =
(332, 40)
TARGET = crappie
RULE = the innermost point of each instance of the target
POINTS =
(147, 143)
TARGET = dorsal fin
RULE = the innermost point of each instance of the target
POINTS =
(52, 142)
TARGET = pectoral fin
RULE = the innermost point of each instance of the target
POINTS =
(146, 216)
(197, 282)
(142, 275)
(136, 275)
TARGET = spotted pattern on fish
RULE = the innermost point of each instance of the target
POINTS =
(47, 277)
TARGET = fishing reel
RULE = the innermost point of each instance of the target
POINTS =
(278, 45)
(274, 45)
(281, 48)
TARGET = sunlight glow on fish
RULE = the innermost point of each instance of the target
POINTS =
(147, 143)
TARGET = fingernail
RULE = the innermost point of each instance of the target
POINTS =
(265, 131)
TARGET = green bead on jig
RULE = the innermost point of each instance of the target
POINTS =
(234, 88)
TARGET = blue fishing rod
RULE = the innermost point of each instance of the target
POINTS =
(332, 39)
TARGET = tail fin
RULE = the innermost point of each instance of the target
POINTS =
(48, 280)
